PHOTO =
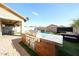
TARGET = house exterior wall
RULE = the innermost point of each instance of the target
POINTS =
(0, 28)
(76, 30)
(5, 14)
(17, 30)
(64, 29)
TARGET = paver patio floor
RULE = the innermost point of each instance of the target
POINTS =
(9, 46)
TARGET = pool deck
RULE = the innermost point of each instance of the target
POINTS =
(9, 46)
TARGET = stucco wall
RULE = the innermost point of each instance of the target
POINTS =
(0, 29)
(76, 30)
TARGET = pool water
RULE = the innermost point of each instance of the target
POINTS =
(51, 37)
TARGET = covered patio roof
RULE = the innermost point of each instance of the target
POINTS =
(12, 11)
(10, 22)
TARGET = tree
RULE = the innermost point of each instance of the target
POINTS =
(76, 24)
(27, 18)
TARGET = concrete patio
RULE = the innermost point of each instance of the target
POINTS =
(9, 46)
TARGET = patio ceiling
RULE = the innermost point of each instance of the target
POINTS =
(10, 22)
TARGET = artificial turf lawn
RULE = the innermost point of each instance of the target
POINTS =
(69, 49)
(29, 50)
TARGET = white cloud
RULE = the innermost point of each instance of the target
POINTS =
(35, 13)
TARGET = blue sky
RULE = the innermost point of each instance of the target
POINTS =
(43, 14)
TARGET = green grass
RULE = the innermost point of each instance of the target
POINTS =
(69, 49)
(29, 50)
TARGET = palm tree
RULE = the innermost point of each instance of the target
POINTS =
(75, 24)
(26, 19)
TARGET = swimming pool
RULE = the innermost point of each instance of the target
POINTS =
(51, 37)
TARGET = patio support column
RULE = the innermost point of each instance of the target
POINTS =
(45, 30)
(22, 24)
(0, 28)
(20, 27)
(14, 30)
